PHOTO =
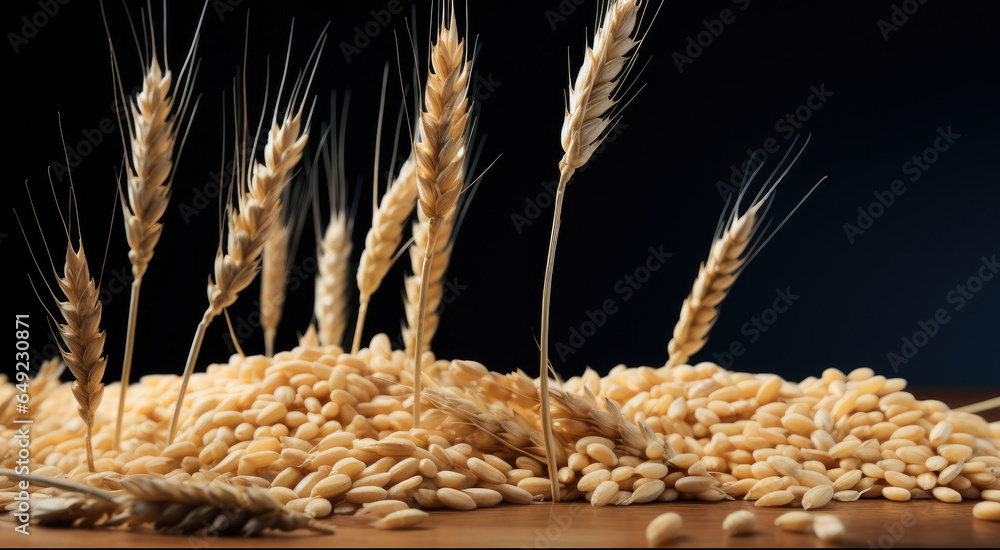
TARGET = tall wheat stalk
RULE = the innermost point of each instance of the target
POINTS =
(152, 139)
(440, 156)
(591, 98)
(251, 222)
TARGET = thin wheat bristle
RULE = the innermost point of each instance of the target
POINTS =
(440, 157)
(332, 280)
(383, 238)
(84, 339)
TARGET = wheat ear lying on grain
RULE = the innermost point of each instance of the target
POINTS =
(440, 156)
(435, 283)
(257, 212)
(152, 137)
(591, 98)
(172, 508)
(731, 250)
(383, 238)
(84, 353)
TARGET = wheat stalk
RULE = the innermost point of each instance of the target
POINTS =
(435, 284)
(84, 352)
(440, 156)
(384, 237)
(591, 98)
(731, 251)
(257, 212)
(152, 136)
(172, 508)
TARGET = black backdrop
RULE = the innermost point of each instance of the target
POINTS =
(875, 84)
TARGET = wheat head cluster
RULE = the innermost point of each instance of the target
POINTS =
(291, 436)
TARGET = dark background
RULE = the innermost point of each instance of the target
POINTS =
(655, 185)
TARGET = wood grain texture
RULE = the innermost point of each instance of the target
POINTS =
(869, 523)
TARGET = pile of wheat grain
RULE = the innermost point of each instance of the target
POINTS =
(324, 431)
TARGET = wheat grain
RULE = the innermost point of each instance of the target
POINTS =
(383, 238)
(741, 522)
(663, 528)
(440, 157)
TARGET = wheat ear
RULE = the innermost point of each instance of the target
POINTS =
(332, 280)
(383, 238)
(173, 508)
(152, 136)
(84, 339)
(257, 212)
(435, 283)
(440, 156)
(273, 281)
(591, 98)
(731, 251)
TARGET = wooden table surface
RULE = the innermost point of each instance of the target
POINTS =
(871, 523)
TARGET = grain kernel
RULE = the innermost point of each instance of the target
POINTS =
(402, 519)
(663, 528)
(740, 522)
(987, 510)
(777, 498)
(828, 527)
(817, 497)
(946, 494)
(798, 521)
(898, 494)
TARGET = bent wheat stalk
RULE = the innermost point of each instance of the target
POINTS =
(440, 156)
(257, 212)
(152, 139)
(591, 99)
(731, 251)
(383, 238)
